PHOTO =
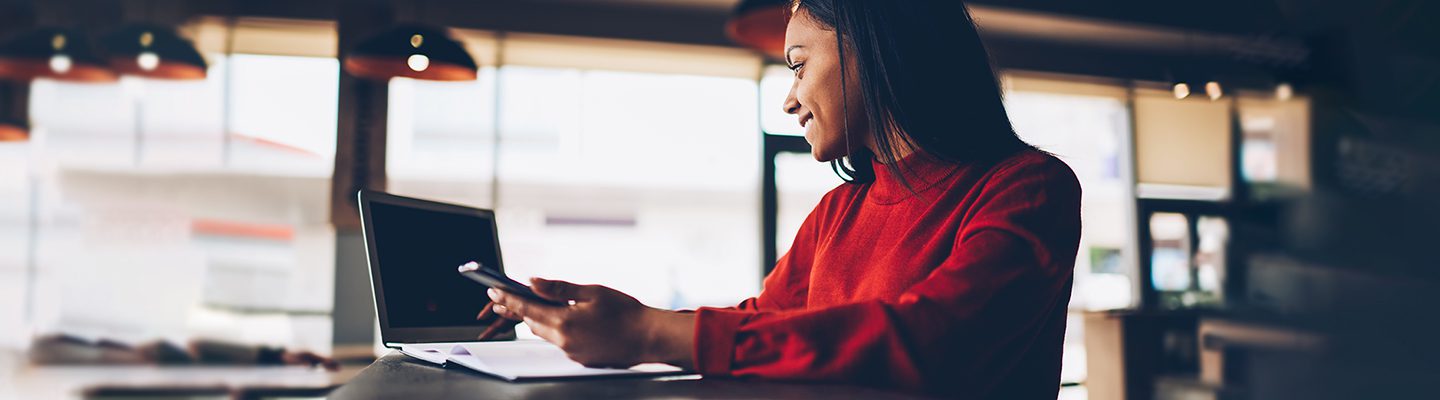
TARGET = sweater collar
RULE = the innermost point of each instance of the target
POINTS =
(922, 171)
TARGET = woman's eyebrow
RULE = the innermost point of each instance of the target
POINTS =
(787, 54)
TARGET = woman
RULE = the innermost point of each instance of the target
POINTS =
(942, 266)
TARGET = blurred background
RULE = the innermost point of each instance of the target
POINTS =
(1260, 177)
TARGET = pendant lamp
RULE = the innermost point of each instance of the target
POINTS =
(52, 53)
(412, 51)
(154, 51)
(13, 131)
(760, 25)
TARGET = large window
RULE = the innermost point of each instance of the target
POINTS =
(149, 209)
(15, 249)
(441, 139)
(282, 114)
(1088, 127)
(614, 164)
(800, 181)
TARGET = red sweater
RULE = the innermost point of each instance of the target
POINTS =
(960, 291)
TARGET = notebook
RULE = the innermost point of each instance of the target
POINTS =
(521, 360)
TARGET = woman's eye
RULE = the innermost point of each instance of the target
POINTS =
(796, 68)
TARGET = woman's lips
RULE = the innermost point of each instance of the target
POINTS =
(805, 119)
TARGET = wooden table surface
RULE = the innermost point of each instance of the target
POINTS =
(397, 376)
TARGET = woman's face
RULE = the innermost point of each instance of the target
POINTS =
(816, 98)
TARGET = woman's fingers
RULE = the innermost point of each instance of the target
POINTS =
(503, 312)
(562, 290)
(519, 307)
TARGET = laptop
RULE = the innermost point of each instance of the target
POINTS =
(427, 309)
(413, 247)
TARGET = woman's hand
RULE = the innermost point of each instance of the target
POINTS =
(602, 327)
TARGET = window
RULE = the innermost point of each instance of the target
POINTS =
(15, 250)
(1275, 144)
(655, 198)
(774, 87)
(283, 111)
(597, 181)
(441, 139)
(178, 208)
(1182, 147)
(1087, 126)
(800, 181)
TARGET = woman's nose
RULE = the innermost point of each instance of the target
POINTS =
(792, 105)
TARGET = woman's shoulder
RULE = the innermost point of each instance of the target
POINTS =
(1033, 163)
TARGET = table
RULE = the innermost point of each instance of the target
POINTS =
(19, 380)
(396, 376)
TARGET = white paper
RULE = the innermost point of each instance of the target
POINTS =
(521, 359)
(434, 353)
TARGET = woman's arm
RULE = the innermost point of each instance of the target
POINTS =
(968, 324)
(663, 336)
(603, 327)
(954, 321)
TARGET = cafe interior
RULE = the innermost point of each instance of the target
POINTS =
(1261, 183)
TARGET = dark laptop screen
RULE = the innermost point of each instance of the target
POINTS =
(417, 253)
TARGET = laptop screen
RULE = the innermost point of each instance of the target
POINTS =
(417, 251)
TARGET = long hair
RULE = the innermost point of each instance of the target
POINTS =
(926, 80)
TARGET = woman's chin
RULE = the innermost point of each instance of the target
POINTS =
(823, 156)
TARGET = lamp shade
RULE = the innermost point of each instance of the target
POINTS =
(52, 53)
(154, 51)
(760, 25)
(411, 51)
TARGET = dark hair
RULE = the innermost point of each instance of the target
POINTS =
(924, 72)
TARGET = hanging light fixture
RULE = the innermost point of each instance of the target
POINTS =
(411, 51)
(1213, 90)
(13, 131)
(52, 53)
(760, 25)
(1181, 90)
(1178, 87)
(1284, 91)
(154, 51)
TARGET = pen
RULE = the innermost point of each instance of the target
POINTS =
(494, 326)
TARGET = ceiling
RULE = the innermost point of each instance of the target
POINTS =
(1373, 40)
(696, 5)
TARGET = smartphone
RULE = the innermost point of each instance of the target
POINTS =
(493, 279)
